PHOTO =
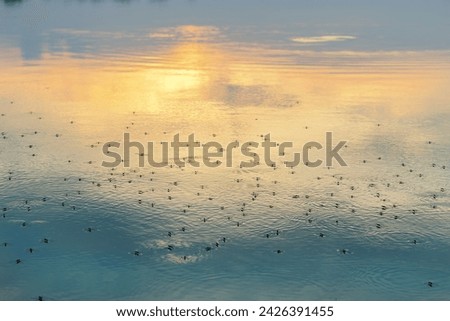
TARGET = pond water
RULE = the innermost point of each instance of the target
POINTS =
(76, 75)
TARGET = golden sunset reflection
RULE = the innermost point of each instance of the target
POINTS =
(196, 85)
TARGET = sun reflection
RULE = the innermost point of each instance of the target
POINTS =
(202, 82)
(188, 67)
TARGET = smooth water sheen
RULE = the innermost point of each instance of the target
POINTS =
(77, 74)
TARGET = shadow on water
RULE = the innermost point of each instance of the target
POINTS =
(12, 2)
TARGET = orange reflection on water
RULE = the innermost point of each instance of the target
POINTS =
(201, 82)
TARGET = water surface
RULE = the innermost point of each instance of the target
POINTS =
(78, 74)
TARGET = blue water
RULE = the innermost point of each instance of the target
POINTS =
(78, 74)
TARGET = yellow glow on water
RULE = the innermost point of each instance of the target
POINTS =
(206, 83)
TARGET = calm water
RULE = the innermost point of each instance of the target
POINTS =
(78, 74)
